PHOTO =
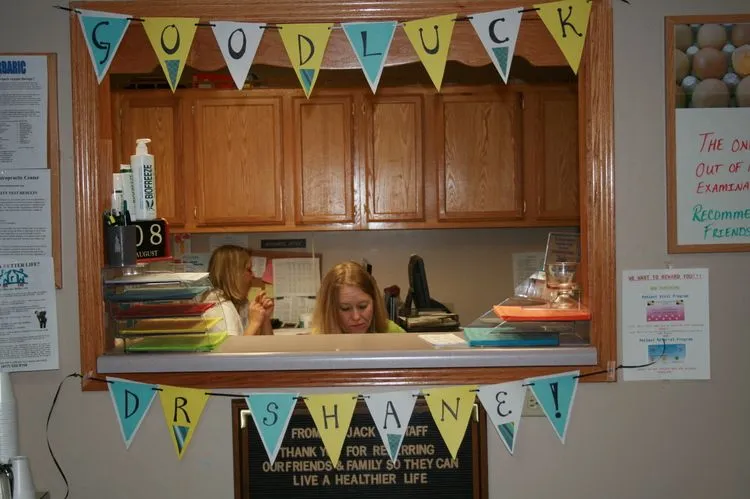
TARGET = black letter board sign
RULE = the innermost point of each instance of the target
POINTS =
(152, 243)
(302, 470)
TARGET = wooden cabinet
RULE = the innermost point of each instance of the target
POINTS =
(159, 116)
(324, 172)
(551, 155)
(479, 156)
(238, 161)
(407, 157)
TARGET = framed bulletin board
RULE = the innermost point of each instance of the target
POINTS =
(708, 133)
(424, 468)
(28, 79)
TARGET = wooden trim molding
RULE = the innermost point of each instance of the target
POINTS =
(93, 164)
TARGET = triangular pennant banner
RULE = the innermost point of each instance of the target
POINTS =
(504, 404)
(131, 401)
(371, 42)
(556, 394)
(238, 43)
(391, 412)
(332, 414)
(568, 22)
(498, 32)
(171, 38)
(431, 38)
(271, 413)
(305, 44)
(103, 32)
(182, 411)
(451, 409)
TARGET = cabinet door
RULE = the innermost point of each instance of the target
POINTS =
(157, 116)
(323, 160)
(551, 155)
(238, 161)
(394, 158)
(479, 168)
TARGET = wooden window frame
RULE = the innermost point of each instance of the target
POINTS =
(93, 160)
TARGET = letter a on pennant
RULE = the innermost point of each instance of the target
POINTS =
(431, 38)
(182, 411)
(332, 414)
(238, 43)
(171, 38)
(103, 32)
(131, 401)
(305, 44)
(568, 22)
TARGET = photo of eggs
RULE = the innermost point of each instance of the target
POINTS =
(712, 65)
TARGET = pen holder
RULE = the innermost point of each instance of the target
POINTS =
(121, 242)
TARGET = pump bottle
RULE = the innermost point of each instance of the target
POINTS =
(144, 180)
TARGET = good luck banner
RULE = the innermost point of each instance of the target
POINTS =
(305, 44)
(451, 408)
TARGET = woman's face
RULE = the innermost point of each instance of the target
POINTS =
(355, 310)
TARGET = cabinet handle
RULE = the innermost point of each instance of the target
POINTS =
(195, 212)
(524, 207)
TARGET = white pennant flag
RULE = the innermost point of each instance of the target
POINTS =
(391, 412)
(504, 404)
(498, 31)
(238, 43)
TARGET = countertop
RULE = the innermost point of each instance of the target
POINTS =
(345, 351)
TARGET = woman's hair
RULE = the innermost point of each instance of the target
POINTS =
(226, 270)
(326, 315)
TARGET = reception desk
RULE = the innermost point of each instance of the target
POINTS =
(345, 351)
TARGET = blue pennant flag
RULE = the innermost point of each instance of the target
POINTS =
(556, 394)
(371, 42)
(271, 413)
(103, 32)
(131, 401)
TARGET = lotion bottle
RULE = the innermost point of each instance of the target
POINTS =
(144, 180)
(128, 189)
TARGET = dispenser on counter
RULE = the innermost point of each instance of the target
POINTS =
(144, 180)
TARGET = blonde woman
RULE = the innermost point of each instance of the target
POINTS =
(231, 274)
(349, 301)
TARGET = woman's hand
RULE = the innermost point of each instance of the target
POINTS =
(260, 312)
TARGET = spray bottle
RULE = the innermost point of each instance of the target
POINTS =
(144, 180)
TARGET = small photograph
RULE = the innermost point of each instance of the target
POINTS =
(671, 353)
(712, 65)
(665, 310)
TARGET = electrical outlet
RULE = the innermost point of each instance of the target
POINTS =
(531, 405)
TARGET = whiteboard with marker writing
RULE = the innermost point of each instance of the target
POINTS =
(712, 176)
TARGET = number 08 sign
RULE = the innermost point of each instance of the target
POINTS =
(152, 240)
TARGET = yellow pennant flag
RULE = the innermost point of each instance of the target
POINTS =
(305, 44)
(182, 410)
(567, 21)
(431, 38)
(171, 38)
(451, 409)
(332, 414)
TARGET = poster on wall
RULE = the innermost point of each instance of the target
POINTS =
(25, 213)
(665, 326)
(28, 315)
(708, 133)
(23, 111)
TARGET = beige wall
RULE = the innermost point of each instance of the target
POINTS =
(645, 440)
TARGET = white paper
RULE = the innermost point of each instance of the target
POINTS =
(28, 315)
(259, 265)
(296, 276)
(23, 111)
(712, 151)
(216, 240)
(665, 316)
(443, 340)
(526, 264)
(195, 262)
(289, 308)
(25, 213)
(159, 278)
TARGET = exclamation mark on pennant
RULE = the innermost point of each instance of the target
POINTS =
(553, 387)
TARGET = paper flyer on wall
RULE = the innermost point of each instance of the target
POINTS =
(28, 315)
(665, 323)
(25, 213)
(23, 111)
